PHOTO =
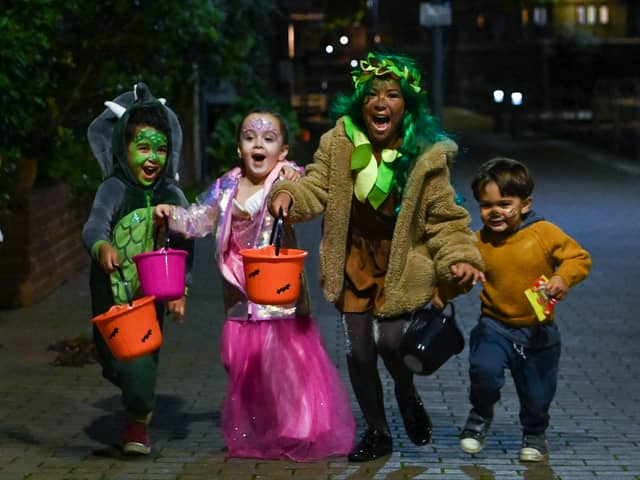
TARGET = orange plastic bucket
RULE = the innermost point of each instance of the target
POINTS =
(273, 279)
(130, 330)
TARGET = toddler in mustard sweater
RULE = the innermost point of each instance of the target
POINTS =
(517, 248)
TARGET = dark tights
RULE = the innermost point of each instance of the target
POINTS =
(362, 360)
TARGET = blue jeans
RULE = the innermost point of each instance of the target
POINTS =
(534, 370)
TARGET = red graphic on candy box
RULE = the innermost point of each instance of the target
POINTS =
(541, 302)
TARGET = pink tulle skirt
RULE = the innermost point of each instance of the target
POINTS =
(284, 397)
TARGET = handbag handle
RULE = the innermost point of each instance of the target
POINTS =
(276, 232)
(125, 284)
(156, 234)
(433, 308)
(449, 304)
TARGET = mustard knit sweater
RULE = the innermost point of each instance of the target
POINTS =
(513, 263)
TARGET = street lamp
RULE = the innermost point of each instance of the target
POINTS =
(517, 99)
(498, 106)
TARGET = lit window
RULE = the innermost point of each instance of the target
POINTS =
(480, 20)
(604, 15)
(592, 18)
(540, 15)
(581, 14)
(525, 16)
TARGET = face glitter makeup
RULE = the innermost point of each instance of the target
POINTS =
(259, 125)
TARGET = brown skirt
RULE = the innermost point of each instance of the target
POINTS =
(367, 257)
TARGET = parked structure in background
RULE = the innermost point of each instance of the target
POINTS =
(572, 60)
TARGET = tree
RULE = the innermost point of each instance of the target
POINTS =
(60, 59)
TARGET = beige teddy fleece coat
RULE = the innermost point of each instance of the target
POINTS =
(431, 231)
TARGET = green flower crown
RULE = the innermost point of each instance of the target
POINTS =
(374, 67)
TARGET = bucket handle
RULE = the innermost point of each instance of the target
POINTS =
(125, 283)
(276, 232)
(156, 234)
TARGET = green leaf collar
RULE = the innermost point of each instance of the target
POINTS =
(372, 181)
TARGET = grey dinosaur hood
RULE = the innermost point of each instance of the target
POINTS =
(107, 139)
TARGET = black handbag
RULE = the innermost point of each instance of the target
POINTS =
(431, 338)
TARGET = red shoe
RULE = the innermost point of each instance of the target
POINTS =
(135, 439)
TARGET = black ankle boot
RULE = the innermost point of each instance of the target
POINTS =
(416, 420)
(373, 444)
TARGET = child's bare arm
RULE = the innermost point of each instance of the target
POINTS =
(197, 221)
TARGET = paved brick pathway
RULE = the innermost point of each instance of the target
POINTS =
(61, 423)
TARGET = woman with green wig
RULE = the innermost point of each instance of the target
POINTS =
(392, 231)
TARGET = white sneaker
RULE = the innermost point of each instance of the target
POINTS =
(474, 432)
(471, 445)
(534, 448)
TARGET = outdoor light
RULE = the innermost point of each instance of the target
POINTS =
(516, 98)
(498, 102)
(291, 41)
(328, 49)
(354, 63)
(516, 126)
(344, 40)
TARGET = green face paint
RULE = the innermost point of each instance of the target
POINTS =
(147, 154)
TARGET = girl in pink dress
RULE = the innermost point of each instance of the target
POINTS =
(284, 399)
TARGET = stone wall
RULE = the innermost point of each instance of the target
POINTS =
(41, 245)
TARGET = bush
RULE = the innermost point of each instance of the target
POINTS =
(61, 59)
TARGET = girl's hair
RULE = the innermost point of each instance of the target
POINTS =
(511, 176)
(153, 116)
(419, 128)
(282, 123)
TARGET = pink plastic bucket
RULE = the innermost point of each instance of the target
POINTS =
(162, 273)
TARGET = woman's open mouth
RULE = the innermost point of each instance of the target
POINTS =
(381, 123)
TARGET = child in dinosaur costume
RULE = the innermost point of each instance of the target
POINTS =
(137, 142)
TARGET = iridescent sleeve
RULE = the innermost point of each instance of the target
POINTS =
(198, 220)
